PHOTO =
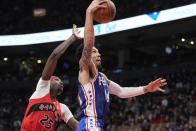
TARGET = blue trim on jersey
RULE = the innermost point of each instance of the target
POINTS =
(83, 99)
(82, 125)
(101, 102)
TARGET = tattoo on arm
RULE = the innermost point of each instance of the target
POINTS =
(86, 54)
(89, 39)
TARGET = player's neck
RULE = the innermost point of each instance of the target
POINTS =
(53, 96)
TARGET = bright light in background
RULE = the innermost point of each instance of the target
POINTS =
(183, 39)
(102, 29)
(39, 61)
(5, 59)
(192, 43)
(155, 13)
(168, 50)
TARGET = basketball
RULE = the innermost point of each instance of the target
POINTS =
(104, 15)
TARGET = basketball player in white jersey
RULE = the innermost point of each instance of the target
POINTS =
(44, 111)
(94, 87)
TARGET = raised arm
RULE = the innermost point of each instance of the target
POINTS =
(88, 41)
(127, 92)
(89, 37)
(58, 51)
(85, 63)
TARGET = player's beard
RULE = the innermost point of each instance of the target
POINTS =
(99, 67)
(60, 91)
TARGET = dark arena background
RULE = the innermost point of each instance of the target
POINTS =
(131, 57)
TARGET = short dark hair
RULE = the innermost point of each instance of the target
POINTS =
(79, 50)
(78, 53)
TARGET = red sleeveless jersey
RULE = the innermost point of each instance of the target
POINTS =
(42, 114)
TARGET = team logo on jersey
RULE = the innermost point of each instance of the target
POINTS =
(102, 81)
(44, 107)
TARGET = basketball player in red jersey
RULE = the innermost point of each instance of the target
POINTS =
(44, 111)
(95, 87)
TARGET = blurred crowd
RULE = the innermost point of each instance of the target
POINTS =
(28, 68)
(174, 110)
(17, 16)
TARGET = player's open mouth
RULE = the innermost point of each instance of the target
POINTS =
(61, 86)
(61, 89)
(98, 60)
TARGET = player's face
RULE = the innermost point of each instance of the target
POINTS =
(57, 85)
(96, 57)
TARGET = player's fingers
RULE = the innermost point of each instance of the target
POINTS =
(101, 6)
(161, 90)
(101, 2)
(159, 79)
(163, 80)
(163, 84)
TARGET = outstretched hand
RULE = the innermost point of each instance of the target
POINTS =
(155, 85)
(76, 32)
(96, 4)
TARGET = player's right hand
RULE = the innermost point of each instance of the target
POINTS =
(96, 4)
(76, 32)
(155, 85)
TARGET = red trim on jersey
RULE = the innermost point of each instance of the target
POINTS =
(94, 104)
(58, 108)
(86, 98)
(87, 124)
(95, 77)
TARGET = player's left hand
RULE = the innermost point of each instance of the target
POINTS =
(76, 32)
(155, 85)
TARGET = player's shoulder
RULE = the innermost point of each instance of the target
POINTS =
(43, 82)
(108, 81)
(63, 106)
(42, 89)
(103, 75)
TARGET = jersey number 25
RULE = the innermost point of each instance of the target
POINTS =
(46, 122)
